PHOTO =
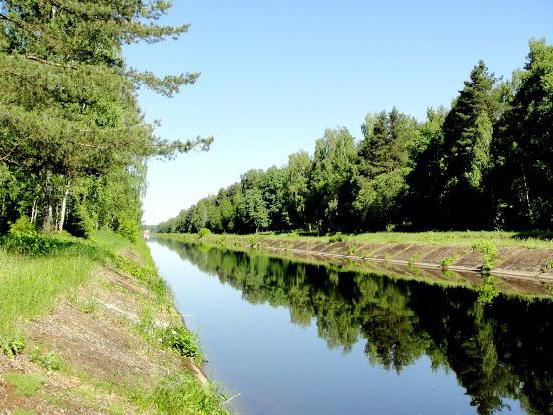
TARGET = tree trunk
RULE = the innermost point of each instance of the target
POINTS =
(33, 212)
(63, 208)
(527, 197)
(47, 220)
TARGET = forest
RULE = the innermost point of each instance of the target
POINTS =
(486, 163)
(73, 140)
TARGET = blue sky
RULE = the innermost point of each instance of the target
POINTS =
(276, 73)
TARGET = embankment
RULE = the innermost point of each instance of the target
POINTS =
(520, 269)
(112, 343)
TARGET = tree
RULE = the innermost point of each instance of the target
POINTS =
(524, 149)
(68, 106)
(296, 189)
(332, 173)
(468, 130)
(384, 156)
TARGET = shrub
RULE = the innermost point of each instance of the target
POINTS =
(81, 225)
(36, 245)
(22, 226)
(203, 232)
(336, 238)
(181, 394)
(129, 229)
(488, 253)
(12, 347)
(183, 341)
(49, 361)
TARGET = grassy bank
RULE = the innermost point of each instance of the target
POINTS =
(522, 266)
(93, 313)
(534, 239)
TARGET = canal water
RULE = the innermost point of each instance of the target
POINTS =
(288, 337)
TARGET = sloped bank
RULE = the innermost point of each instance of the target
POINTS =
(114, 344)
(520, 270)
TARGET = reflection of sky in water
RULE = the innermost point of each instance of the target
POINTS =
(282, 368)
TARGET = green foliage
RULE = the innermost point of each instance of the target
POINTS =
(12, 346)
(487, 290)
(22, 226)
(69, 108)
(203, 232)
(129, 229)
(489, 254)
(181, 395)
(181, 340)
(337, 237)
(33, 244)
(483, 164)
(49, 361)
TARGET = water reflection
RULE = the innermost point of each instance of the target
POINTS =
(498, 352)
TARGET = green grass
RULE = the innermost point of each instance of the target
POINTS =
(38, 270)
(25, 385)
(466, 238)
(30, 282)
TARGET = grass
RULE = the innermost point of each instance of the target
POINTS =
(36, 272)
(25, 385)
(452, 238)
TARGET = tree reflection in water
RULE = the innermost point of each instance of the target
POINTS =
(497, 351)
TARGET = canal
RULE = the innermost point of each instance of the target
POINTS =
(288, 337)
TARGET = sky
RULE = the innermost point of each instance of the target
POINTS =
(277, 73)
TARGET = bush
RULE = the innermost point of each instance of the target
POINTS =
(12, 347)
(203, 232)
(49, 361)
(488, 253)
(36, 245)
(22, 226)
(81, 224)
(336, 238)
(129, 229)
(183, 341)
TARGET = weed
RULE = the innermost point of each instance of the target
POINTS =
(25, 385)
(336, 238)
(447, 261)
(23, 412)
(181, 394)
(488, 252)
(182, 340)
(49, 361)
(12, 347)
(351, 249)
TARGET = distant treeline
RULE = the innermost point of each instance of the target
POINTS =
(73, 140)
(486, 163)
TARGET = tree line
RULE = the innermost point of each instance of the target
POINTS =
(73, 140)
(485, 163)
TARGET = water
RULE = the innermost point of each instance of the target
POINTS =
(294, 338)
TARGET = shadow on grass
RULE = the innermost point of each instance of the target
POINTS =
(544, 235)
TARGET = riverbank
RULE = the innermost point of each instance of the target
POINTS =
(522, 265)
(89, 327)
